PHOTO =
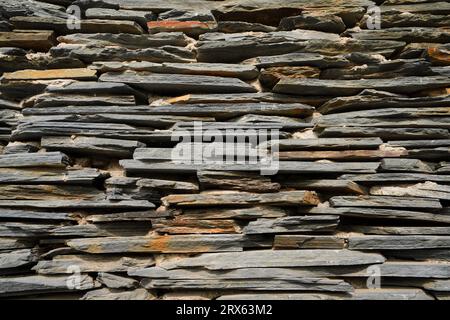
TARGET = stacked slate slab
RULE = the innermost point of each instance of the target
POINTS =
(95, 204)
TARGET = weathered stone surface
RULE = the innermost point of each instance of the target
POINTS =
(371, 99)
(170, 83)
(116, 282)
(180, 225)
(269, 77)
(379, 213)
(78, 74)
(41, 41)
(396, 177)
(35, 215)
(91, 263)
(242, 198)
(129, 41)
(425, 190)
(159, 244)
(397, 242)
(343, 155)
(279, 258)
(297, 59)
(92, 145)
(313, 21)
(60, 26)
(308, 242)
(415, 34)
(303, 284)
(23, 160)
(48, 100)
(49, 192)
(17, 258)
(39, 176)
(92, 52)
(34, 284)
(381, 230)
(238, 214)
(302, 224)
(141, 17)
(385, 202)
(403, 85)
(192, 28)
(384, 133)
(236, 181)
(326, 144)
(324, 185)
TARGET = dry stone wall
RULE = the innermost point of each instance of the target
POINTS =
(93, 204)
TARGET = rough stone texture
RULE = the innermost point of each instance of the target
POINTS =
(335, 161)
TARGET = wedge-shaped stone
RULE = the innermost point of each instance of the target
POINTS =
(424, 190)
(39, 41)
(48, 100)
(238, 214)
(299, 59)
(131, 216)
(127, 40)
(91, 88)
(167, 185)
(171, 83)
(385, 202)
(49, 192)
(92, 263)
(276, 259)
(370, 100)
(404, 85)
(382, 242)
(92, 145)
(303, 284)
(56, 176)
(17, 258)
(24, 160)
(60, 25)
(324, 185)
(325, 144)
(378, 213)
(116, 282)
(314, 223)
(405, 165)
(236, 181)
(191, 28)
(140, 17)
(96, 52)
(37, 284)
(286, 198)
(241, 71)
(308, 242)
(244, 98)
(160, 244)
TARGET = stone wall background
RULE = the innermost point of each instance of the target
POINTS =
(92, 207)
